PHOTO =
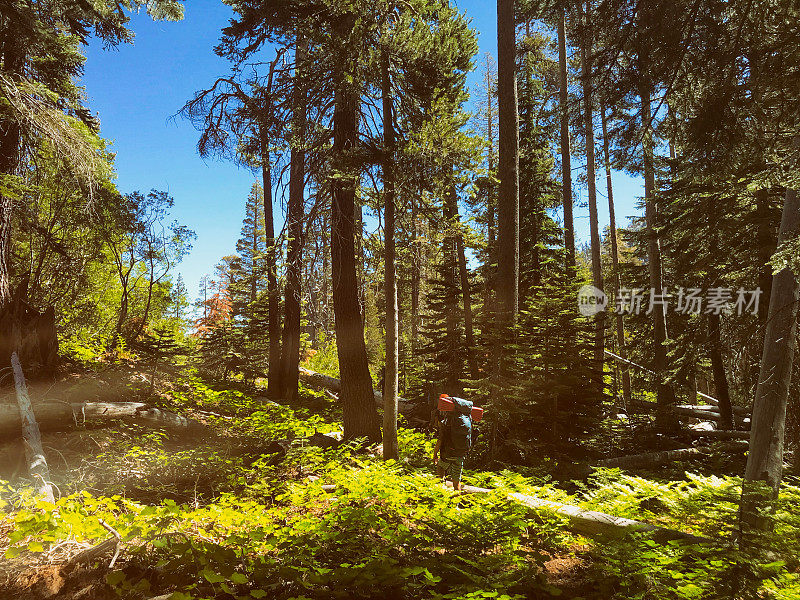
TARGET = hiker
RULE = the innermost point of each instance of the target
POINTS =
(454, 438)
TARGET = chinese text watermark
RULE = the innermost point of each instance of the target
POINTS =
(687, 301)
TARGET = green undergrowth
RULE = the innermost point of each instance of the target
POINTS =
(277, 529)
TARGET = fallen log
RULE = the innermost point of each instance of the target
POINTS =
(650, 458)
(112, 544)
(654, 459)
(591, 522)
(586, 522)
(91, 554)
(331, 384)
(31, 437)
(697, 414)
(737, 410)
(695, 411)
(706, 397)
(720, 434)
(56, 416)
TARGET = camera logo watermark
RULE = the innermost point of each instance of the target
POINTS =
(591, 301)
(687, 301)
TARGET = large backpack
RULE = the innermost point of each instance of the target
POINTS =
(460, 427)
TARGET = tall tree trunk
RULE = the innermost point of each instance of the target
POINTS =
(273, 293)
(6, 222)
(530, 207)
(454, 343)
(122, 315)
(254, 251)
(491, 224)
(765, 459)
(10, 139)
(594, 227)
(390, 379)
(566, 161)
(326, 269)
(507, 286)
(620, 324)
(463, 274)
(290, 350)
(765, 238)
(359, 415)
(665, 394)
(718, 369)
(415, 277)
(146, 315)
(361, 262)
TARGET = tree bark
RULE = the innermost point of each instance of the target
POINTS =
(29, 333)
(360, 417)
(416, 266)
(765, 237)
(491, 225)
(290, 350)
(765, 460)
(507, 284)
(273, 293)
(450, 277)
(594, 227)
(620, 323)
(665, 394)
(463, 275)
(10, 139)
(718, 369)
(566, 161)
(31, 438)
(390, 380)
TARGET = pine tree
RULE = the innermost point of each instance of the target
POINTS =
(507, 168)
(249, 272)
(179, 300)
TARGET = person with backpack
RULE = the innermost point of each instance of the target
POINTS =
(454, 440)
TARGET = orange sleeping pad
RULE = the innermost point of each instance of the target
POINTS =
(447, 405)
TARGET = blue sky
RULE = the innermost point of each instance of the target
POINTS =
(136, 89)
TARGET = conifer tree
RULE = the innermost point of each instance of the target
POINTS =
(507, 168)
(290, 339)
(250, 249)
(179, 299)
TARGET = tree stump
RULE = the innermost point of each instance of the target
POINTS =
(31, 333)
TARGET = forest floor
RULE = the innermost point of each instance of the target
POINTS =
(223, 512)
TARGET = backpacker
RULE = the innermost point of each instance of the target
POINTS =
(459, 427)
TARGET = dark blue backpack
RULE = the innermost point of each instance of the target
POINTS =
(460, 421)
